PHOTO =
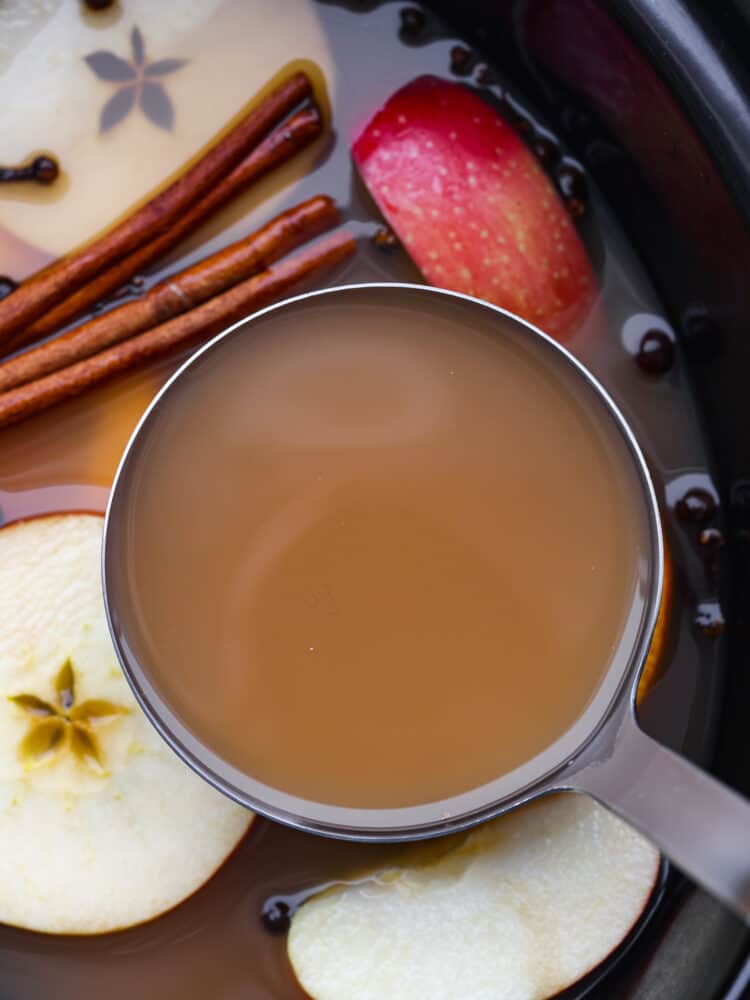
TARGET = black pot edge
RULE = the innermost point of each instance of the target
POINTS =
(702, 69)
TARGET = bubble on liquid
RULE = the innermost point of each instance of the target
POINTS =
(638, 326)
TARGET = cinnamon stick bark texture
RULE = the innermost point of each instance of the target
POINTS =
(198, 324)
(281, 145)
(46, 288)
(177, 293)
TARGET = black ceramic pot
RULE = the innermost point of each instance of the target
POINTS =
(654, 97)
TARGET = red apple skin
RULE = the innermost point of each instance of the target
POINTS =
(472, 206)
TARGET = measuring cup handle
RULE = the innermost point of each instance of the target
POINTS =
(698, 822)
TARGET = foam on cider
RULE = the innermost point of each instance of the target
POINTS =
(379, 557)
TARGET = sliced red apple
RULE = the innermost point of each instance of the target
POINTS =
(473, 207)
(521, 908)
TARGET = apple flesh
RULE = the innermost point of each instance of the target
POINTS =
(472, 206)
(102, 826)
(519, 909)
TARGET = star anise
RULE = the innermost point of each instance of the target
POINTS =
(140, 82)
(64, 724)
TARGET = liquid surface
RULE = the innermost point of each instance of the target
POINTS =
(215, 944)
(415, 563)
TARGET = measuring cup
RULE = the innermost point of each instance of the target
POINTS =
(700, 824)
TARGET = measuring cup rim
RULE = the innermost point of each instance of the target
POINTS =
(533, 778)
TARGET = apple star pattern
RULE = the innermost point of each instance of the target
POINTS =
(63, 725)
(140, 83)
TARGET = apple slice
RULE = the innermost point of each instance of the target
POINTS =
(472, 206)
(101, 825)
(519, 909)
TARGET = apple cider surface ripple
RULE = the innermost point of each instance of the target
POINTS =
(408, 566)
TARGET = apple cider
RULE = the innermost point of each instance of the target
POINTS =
(409, 558)
(438, 581)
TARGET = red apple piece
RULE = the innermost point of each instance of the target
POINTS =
(473, 207)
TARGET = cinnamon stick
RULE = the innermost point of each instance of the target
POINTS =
(278, 147)
(198, 324)
(47, 287)
(178, 293)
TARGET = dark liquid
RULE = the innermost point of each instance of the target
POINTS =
(215, 945)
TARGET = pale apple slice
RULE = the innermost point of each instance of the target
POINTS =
(53, 100)
(101, 825)
(520, 909)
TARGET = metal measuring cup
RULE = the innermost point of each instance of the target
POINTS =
(699, 823)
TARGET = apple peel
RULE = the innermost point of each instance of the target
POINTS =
(472, 206)
(520, 909)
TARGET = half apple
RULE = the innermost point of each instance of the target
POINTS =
(101, 825)
(519, 909)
